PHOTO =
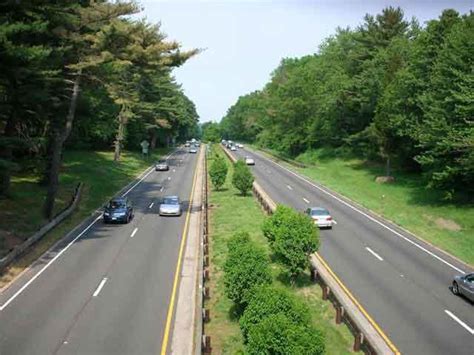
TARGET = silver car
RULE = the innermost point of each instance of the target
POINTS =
(464, 285)
(171, 206)
(162, 165)
(321, 217)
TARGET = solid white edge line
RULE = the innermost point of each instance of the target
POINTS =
(374, 253)
(30, 281)
(134, 232)
(151, 205)
(17, 293)
(102, 283)
(460, 322)
(369, 217)
(305, 200)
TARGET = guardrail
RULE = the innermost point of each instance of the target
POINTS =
(23, 247)
(368, 337)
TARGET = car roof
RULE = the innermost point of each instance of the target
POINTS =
(119, 199)
(172, 197)
(319, 209)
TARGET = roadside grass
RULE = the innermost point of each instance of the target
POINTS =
(21, 214)
(407, 202)
(229, 213)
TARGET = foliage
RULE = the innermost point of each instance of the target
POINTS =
(242, 179)
(218, 172)
(293, 238)
(246, 267)
(211, 132)
(276, 334)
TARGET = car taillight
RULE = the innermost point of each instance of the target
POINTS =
(328, 218)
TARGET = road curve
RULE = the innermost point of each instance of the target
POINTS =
(402, 282)
(109, 291)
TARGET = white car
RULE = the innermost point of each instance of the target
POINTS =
(321, 217)
(171, 206)
(240, 145)
(249, 161)
(233, 148)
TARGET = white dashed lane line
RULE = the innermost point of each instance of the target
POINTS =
(134, 232)
(374, 253)
(151, 205)
(289, 187)
(305, 200)
(460, 322)
(99, 288)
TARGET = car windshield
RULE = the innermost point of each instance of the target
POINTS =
(319, 212)
(162, 162)
(117, 204)
(170, 201)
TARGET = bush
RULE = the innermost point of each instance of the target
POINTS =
(242, 178)
(267, 301)
(277, 334)
(218, 172)
(246, 267)
(293, 238)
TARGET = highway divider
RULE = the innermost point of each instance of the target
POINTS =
(368, 336)
(19, 250)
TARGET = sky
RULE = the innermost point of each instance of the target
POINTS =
(243, 41)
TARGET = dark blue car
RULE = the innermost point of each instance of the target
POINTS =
(118, 209)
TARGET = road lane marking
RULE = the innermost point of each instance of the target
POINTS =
(374, 253)
(289, 187)
(17, 293)
(169, 177)
(174, 170)
(161, 189)
(460, 322)
(164, 343)
(102, 283)
(134, 232)
(334, 221)
(368, 217)
(305, 200)
(151, 205)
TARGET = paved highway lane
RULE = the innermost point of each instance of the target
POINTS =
(402, 282)
(109, 292)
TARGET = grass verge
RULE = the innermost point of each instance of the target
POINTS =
(20, 215)
(230, 212)
(407, 202)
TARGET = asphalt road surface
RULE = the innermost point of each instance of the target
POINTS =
(108, 292)
(403, 283)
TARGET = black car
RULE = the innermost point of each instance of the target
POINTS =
(119, 209)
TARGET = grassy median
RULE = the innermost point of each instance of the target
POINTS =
(229, 213)
(20, 215)
(407, 202)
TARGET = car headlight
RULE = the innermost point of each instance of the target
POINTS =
(106, 214)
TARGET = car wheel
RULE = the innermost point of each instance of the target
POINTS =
(455, 288)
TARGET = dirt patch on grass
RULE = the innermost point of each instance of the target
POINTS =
(443, 223)
(8, 241)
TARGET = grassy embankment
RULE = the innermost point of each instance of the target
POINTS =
(407, 202)
(229, 213)
(20, 215)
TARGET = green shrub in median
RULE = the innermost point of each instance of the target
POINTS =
(293, 238)
(218, 171)
(277, 334)
(246, 267)
(242, 178)
(270, 300)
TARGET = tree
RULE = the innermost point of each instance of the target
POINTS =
(218, 172)
(242, 179)
(246, 267)
(277, 334)
(211, 132)
(293, 239)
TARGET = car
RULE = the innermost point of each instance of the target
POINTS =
(464, 285)
(170, 206)
(162, 165)
(321, 217)
(233, 148)
(187, 144)
(249, 161)
(193, 150)
(240, 145)
(118, 209)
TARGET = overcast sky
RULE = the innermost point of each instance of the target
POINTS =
(244, 40)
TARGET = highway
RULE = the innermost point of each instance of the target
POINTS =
(402, 282)
(106, 288)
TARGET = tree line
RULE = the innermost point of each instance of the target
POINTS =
(84, 75)
(389, 90)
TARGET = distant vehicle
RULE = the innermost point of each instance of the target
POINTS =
(240, 145)
(233, 148)
(464, 285)
(162, 165)
(321, 217)
(187, 144)
(118, 209)
(171, 206)
(249, 161)
(223, 142)
(193, 150)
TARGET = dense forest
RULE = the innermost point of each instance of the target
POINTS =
(84, 75)
(390, 90)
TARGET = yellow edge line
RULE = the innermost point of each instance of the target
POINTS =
(164, 345)
(369, 318)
